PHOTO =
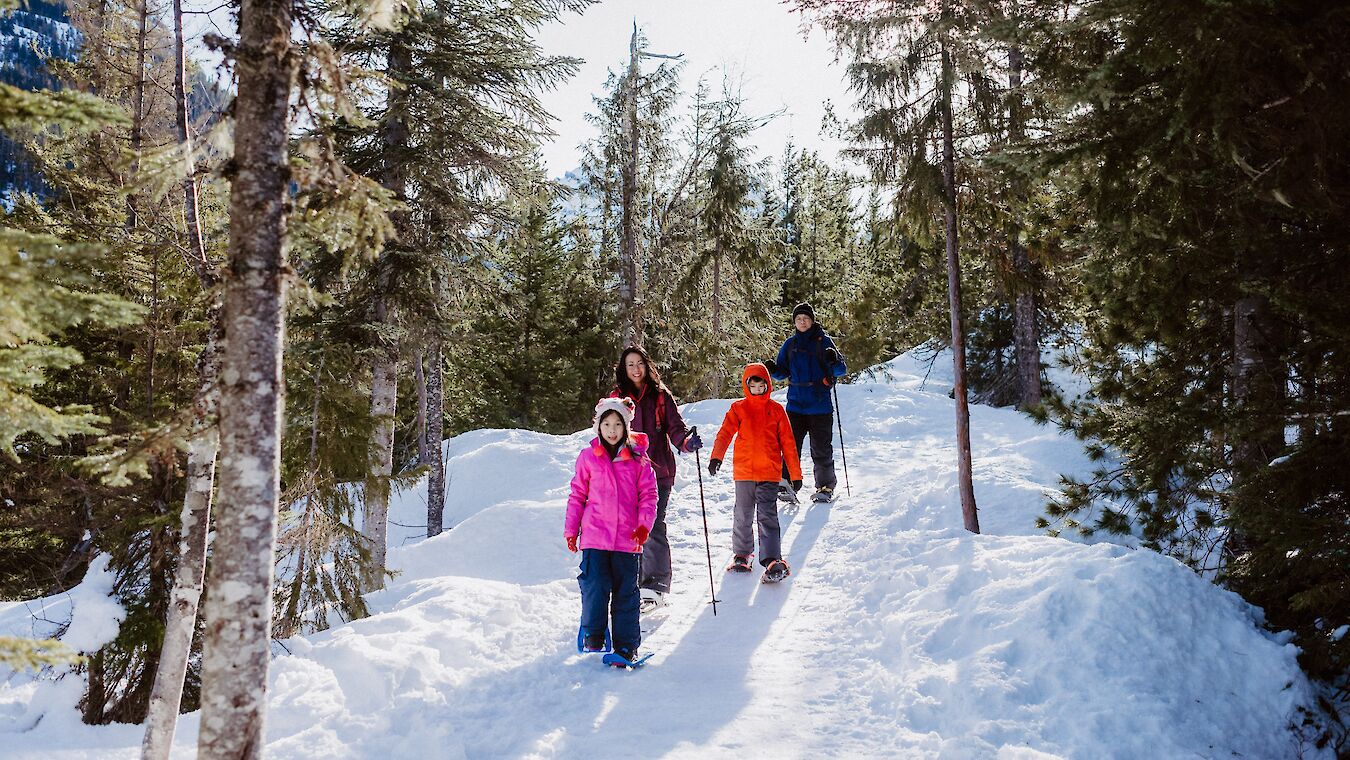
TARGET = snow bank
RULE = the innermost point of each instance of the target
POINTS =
(84, 618)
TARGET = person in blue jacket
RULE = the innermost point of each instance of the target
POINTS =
(810, 362)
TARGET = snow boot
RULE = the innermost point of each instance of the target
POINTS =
(595, 643)
(739, 564)
(823, 495)
(629, 655)
(652, 600)
(776, 571)
(785, 492)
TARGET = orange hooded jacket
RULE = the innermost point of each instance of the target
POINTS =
(765, 436)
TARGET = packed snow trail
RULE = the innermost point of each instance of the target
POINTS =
(898, 634)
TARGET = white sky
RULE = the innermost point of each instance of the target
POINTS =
(759, 41)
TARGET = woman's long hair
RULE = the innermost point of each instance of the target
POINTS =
(626, 386)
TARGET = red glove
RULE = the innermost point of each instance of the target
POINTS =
(640, 534)
(572, 544)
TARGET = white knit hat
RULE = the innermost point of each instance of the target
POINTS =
(624, 406)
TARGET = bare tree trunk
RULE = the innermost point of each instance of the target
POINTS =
(717, 316)
(1259, 382)
(383, 405)
(384, 371)
(204, 442)
(191, 214)
(435, 432)
(203, 445)
(138, 110)
(968, 509)
(1026, 332)
(238, 609)
(628, 283)
(420, 378)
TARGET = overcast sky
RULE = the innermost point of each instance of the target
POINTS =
(760, 41)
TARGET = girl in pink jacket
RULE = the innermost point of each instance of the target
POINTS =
(609, 516)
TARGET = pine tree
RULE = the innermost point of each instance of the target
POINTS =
(456, 124)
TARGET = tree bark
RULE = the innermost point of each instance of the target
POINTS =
(384, 370)
(717, 316)
(420, 378)
(968, 509)
(1026, 331)
(383, 406)
(435, 431)
(203, 445)
(628, 282)
(238, 610)
(1259, 382)
(191, 214)
(138, 110)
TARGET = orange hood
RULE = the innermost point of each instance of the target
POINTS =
(755, 370)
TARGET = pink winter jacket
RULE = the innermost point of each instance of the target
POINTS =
(610, 499)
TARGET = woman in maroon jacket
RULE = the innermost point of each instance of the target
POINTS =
(656, 415)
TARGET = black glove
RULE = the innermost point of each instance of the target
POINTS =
(772, 366)
(832, 354)
(714, 465)
(796, 486)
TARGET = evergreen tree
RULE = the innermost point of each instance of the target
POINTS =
(1210, 247)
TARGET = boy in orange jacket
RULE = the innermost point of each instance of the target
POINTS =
(764, 444)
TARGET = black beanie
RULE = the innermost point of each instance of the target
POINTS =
(804, 308)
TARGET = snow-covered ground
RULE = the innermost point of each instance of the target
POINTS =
(898, 634)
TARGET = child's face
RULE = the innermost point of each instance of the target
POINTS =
(611, 428)
(757, 386)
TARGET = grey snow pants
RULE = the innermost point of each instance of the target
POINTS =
(757, 502)
(656, 551)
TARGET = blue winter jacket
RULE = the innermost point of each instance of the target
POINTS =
(802, 361)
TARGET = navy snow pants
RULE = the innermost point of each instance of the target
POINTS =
(609, 593)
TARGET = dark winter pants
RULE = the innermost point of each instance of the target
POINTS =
(821, 429)
(609, 592)
(656, 551)
(757, 502)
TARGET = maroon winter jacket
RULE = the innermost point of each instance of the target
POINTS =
(663, 437)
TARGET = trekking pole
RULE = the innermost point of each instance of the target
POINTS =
(843, 453)
(702, 507)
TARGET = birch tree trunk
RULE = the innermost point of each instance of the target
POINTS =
(968, 510)
(238, 610)
(204, 444)
(1026, 332)
(435, 432)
